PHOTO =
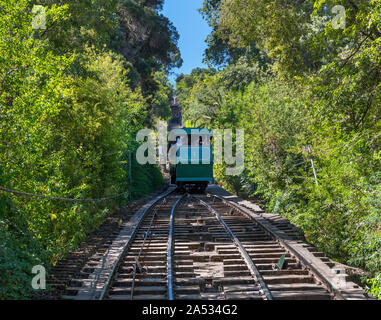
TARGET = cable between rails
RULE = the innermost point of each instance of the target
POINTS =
(137, 264)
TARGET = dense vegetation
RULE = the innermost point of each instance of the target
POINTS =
(302, 90)
(72, 97)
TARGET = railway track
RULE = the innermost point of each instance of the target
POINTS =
(181, 246)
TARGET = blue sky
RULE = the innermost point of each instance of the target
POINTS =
(193, 31)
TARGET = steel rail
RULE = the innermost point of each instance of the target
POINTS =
(126, 245)
(249, 262)
(170, 250)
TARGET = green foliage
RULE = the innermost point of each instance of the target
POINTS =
(375, 289)
(147, 39)
(19, 252)
(158, 101)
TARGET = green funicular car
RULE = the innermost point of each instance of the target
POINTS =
(194, 168)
